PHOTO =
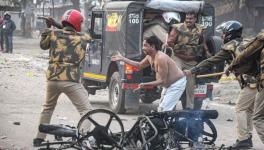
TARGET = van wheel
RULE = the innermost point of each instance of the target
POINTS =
(116, 94)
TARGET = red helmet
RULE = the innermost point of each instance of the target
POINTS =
(74, 18)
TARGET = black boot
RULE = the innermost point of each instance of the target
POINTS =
(247, 143)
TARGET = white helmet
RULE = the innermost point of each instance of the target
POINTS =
(168, 16)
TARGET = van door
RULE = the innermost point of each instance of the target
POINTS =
(93, 58)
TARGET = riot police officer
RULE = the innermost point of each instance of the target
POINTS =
(252, 58)
(233, 44)
(67, 50)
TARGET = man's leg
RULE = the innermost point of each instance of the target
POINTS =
(162, 95)
(198, 103)
(172, 95)
(244, 114)
(1, 40)
(258, 117)
(190, 86)
(79, 97)
(183, 99)
(10, 43)
(6, 43)
(52, 96)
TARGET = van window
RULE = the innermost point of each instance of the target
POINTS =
(98, 26)
(97, 23)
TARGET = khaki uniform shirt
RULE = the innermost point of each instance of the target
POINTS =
(188, 42)
(67, 50)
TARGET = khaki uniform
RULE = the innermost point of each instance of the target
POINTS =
(67, 50)
(254, 53)
(188, 43)
(245, 100)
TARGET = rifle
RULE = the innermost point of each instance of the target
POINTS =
(51, 22)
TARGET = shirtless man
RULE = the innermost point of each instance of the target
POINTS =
(168, 75)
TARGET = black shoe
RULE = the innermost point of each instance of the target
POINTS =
(247, 143)
(37, 142)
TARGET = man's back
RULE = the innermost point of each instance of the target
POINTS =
(173, 71)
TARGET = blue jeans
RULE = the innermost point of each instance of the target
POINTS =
(9, 42)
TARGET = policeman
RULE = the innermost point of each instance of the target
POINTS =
(188, 43)
(159, 26)
(67, 50)
(233, 45)
(254, 52)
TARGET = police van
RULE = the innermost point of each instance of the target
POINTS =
(117, 27)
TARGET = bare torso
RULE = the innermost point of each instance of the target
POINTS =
(165, 68)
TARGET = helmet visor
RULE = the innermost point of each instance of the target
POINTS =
(221, 28)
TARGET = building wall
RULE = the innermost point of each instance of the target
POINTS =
(248, 12)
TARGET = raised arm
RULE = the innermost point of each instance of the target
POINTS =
(45, 39)
(172, 37)
(142, 64)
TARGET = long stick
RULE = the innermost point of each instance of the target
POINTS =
(53, 23)
(210, 75)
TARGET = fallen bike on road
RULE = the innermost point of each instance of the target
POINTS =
(172, 130)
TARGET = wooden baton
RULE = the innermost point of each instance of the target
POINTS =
(210, 75)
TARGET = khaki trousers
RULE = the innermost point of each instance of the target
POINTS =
(188, 96)
(244, 112)
(76, 93)
(258, 116)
